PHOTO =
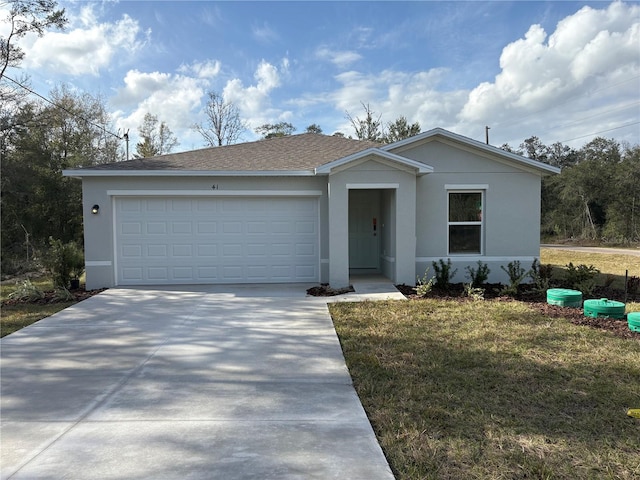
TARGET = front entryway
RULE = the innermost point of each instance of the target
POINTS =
(364, 230)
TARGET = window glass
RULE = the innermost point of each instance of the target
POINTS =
(465, 238)
(465, 222)
(465, 207)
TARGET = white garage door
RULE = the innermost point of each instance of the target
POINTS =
(216, 240)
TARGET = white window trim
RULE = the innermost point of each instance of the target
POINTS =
(482, 192)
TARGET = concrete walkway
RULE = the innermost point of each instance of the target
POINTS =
(198, 382)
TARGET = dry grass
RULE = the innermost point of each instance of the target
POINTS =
(495, 390)
(608, 264)
(15, 317)
(492, 390)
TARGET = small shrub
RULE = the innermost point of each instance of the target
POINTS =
(609, 279)
(472, 292)
(541, 275)
(516, 275)
(26, 292)
(633, 285)
(65, 261)
(444, 274)
(61, 294)
(478, 276)
(424, 285)
(581, 277)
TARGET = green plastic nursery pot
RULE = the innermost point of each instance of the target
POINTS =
(604, 308)
(634, 321)
(564, 297)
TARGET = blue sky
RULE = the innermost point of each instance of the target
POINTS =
(564, 71)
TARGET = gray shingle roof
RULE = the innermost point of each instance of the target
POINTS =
(294, 153)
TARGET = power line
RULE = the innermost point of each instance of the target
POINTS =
(599, 114)
(601, 131)
(63, 108)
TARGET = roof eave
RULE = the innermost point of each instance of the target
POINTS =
(81, 173)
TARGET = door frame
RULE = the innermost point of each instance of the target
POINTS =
(377, 215)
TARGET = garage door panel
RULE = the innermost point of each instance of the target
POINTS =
(214, 240)
(157, 251)
(207, 250)
(158, 273)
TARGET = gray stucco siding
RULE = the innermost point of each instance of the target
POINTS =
(511, 210)
(448, 157)
(103, 191)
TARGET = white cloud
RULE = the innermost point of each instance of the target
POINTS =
(175, 99)
(341, 59)
(417, 96)
(208, 69)
(589, 50)
(87, 47)
(254, 101)
(265, 34)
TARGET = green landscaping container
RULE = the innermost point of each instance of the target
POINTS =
(564, 297)
(634, 321)
(604, 308)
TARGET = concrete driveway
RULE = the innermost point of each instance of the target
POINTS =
(187, 383)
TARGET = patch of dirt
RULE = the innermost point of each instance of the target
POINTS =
(325, 290)
(538, 302)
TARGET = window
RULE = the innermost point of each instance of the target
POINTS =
(465, 222)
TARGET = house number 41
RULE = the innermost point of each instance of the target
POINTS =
(215, 186)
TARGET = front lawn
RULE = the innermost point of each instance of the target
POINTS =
(492, 390)
(16, 314)
(15, 317)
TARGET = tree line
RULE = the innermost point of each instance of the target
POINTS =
(597, 195)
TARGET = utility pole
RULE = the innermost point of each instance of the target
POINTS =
(486, 134)
(126, 139)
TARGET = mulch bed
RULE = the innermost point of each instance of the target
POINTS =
(537, 301)
(325, 290)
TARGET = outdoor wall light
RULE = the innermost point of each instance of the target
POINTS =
(95, 209)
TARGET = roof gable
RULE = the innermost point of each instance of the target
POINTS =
(460, 141)
(389, 158)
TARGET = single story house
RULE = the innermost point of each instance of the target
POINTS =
(310, 208)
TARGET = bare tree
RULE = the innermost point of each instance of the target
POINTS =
(223, 125)
(368, 128)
